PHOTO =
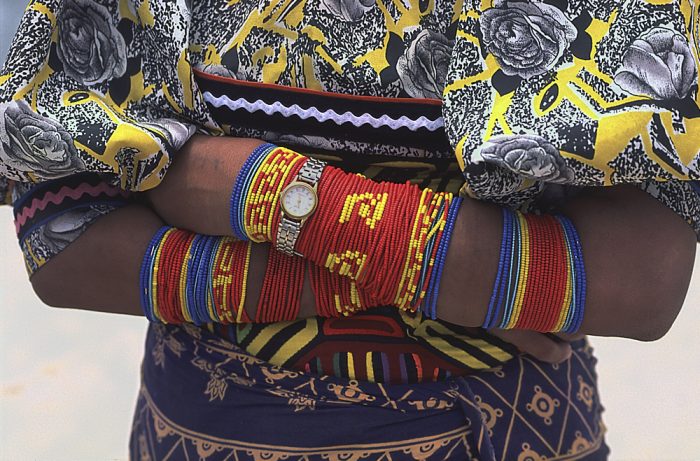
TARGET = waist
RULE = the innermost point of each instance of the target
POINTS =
(385, 139)
(381, 345)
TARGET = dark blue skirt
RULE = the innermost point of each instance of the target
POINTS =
(204, 398)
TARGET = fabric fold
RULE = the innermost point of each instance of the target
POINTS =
(592, 93)
(107, 89)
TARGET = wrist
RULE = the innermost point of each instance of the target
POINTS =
(470, 264)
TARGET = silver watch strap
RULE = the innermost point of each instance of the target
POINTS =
(289, 229)
(311, 171)
(287, 235)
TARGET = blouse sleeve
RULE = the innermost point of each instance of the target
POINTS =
(50, 216)
(585, 93)
(682, 197)
(98, 87)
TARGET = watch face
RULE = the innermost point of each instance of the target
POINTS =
(298, 200)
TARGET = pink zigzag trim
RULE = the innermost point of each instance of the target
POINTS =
(57, 197)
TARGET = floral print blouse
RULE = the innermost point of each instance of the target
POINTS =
(592, 92)
(589, 93)
(537, 98)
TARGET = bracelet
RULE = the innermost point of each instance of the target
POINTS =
(280, 296)
(242, 185)
(193, 278)
(336, 295)
(434, 287)
(363, 230)
(146, 274)
(540, 282)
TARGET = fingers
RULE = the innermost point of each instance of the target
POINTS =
(571, 337)
(536, 344)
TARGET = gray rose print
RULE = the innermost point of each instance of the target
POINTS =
(91, 49)
(423, 66)
(527, 155)
(527, 39)
(35, 144)
(348, 10)
(60, 232)
(306, 141)
(175, 132)
(658, 64)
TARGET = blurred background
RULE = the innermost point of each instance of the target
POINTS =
(69, 379)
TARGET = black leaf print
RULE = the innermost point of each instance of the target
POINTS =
(230, 60)
(582, 21)
(505, 84)
(388, 75)
(549, 97)
(582, 46)
(451, 32)
(126, 28)
(133, 66)
(119, 89)
(394, 49)
(77, 97)
(423, 5)
(54, 61)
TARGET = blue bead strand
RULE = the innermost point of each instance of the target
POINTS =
(192, 265)
(507, 242)
(580, 275)
(146, 274)
(201, 279)
(442, 253)
(513, 271)
(248, 180)
(572, 270)
(497, 284)
(211, 299)
(239, 189)
(426, 261)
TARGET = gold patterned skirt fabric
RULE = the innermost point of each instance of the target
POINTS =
(204, 398)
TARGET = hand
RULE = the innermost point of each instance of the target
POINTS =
(538, 345)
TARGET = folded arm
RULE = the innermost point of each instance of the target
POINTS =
(638, 253)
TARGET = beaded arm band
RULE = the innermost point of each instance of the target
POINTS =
(190, 278)
(541, 280)
(371, 244)
(193, 278)
(389, 239)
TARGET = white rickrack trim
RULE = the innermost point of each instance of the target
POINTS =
(323, 116)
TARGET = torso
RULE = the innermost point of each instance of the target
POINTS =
(369, 58)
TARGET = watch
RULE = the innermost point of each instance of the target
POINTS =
(298, 201)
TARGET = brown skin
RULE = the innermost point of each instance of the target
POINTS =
(112, 274)
(639, 255)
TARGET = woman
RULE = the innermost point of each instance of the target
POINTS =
(113, 92)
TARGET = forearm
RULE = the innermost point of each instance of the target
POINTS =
(93, 273)
(99, 271)
(196, 192)
(639, 265)
(638, 254)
